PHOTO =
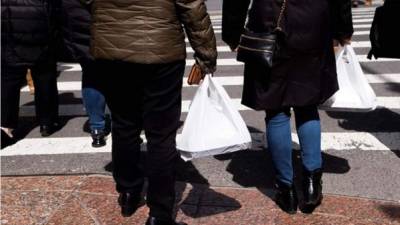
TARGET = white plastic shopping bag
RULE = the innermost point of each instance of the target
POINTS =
(213, 125)
(355, 93)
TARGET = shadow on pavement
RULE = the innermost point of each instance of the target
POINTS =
(188, 174)
(219, 202)
(391, 85)
(393, 211)
(382, 123)
(254, 168)
(27, 124)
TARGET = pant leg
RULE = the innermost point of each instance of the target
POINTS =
(309, 130)
(46, 92)
(280, 144)
(12, 79)
(122, 91)
(93, 99)
(161, 116)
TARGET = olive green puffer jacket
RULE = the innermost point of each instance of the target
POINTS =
(151, 31)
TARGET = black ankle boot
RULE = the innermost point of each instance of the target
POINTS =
(286, 197)
(98, 137)
(156, 221)
(129, 203)
(312, 190)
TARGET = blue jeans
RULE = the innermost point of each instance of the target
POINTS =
(93, 99)
(280, 141)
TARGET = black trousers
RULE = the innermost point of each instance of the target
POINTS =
(46, 93)
(145, 97)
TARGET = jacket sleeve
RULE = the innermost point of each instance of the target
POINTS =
(196, 21)
(234, 13)
(341, 19)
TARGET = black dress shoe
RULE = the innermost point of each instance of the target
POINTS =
(129, 203)
(156, 221)
(312, 190)
(286, 197)
(47, 130)
(6, 140)
(98, 137)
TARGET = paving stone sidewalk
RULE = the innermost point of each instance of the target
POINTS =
(91, 199)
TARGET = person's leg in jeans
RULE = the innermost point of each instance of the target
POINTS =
(161, 116)
(46, 96)
(308, 127)
(12, 79)
(280, 146)
(309, 130)
(123, 95)
(95, 103)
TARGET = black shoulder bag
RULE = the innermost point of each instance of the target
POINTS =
(261, 47)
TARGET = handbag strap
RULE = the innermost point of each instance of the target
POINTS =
(283, 8)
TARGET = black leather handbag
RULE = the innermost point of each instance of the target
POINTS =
(261, 48)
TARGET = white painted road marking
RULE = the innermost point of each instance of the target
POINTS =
(78, 109)
(380, 141)
(231, 81)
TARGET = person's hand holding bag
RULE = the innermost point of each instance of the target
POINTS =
(195, 75)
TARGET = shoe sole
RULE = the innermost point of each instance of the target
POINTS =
(98, 145)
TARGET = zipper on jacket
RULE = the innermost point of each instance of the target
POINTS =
(253, 49)
(255, 38)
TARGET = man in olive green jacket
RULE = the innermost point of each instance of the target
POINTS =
(142, 50)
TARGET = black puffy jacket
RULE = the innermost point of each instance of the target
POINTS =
(75, 27)
(28, 31)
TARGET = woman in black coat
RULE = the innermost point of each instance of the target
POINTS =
(28, 40)
(303, 78)
(75, 28)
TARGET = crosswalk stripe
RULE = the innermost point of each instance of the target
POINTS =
(383, 78)
(70, 67)
(355, 20)
(361, 33)
(355, 26)
(363, 10)
(363, 16)
(78, 109)
(330, 141)
(230, 81)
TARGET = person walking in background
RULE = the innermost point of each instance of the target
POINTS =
(28, 39)
(302, 77)
(75, 27)
(141, 51)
